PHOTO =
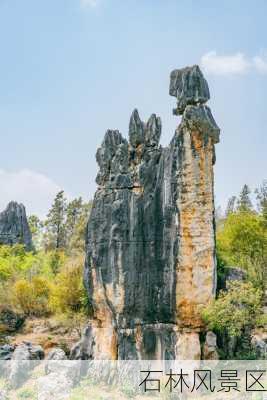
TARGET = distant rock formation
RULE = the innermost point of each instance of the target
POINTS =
(150, 248)
(14, 226)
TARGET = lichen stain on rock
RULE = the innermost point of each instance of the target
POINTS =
(196, 264)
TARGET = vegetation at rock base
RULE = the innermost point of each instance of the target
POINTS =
(241, 242)
(235, 312)
(49, 280)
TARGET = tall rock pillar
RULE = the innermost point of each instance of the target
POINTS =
(196, 262)
(150, 247)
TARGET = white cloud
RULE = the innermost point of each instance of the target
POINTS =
(36, 191)
(260, 63)
(226, 64)
(89, 3)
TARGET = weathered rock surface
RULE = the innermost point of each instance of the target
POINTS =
(55, 386)
(61, 376)
(234, 274)
(56, 354)
(14, 226)
(6, 352)
(10, 321)
(210, 347)
(189, 86)
(259, 343)
(150, 244)
(24, 358)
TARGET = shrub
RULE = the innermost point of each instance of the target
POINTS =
(242, 241)
(31, 296)
(27, 393)
(236, 310)
(68, 293)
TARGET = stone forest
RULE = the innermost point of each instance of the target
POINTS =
(150, 243)
(150, 248)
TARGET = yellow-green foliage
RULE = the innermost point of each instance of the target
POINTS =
(40, 283)
(68, 293)
(15, 262)
(242, 241)
(31, 296)
(236, 309)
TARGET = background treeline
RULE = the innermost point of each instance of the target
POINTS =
(49, 280)
(64, 227)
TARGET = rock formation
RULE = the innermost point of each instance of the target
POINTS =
(14, 226)
(150, 247)
(10, 321)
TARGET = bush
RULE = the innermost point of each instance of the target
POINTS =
(37, 284)
(233, 316)
(12, 260)
(236, 310)
(68, 293)
(31, 296)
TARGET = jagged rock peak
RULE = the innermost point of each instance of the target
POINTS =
(153, 130)
(189, 86)
(117, 158)
(14, 227)
(144, 133)
(136, 129)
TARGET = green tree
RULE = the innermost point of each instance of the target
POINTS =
(241, 241)
(74, 211)
(77, 239)
(262, 200)
(55, 223)
(230, 208)
(244, 203)
(36, 227)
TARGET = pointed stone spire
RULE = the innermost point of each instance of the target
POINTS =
(14, 228)
(136, 129)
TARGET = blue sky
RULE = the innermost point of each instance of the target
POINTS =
(71, 69)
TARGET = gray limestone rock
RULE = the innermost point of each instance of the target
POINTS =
(25, 357)
(136, 130)
(199, 118)
(6, 352)
(10, 321)
(259, 342)
(233, 274)
(56, 354)
(14, 226)
(189, 86)
(210, 347)
(150, 237)
(58, 383)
